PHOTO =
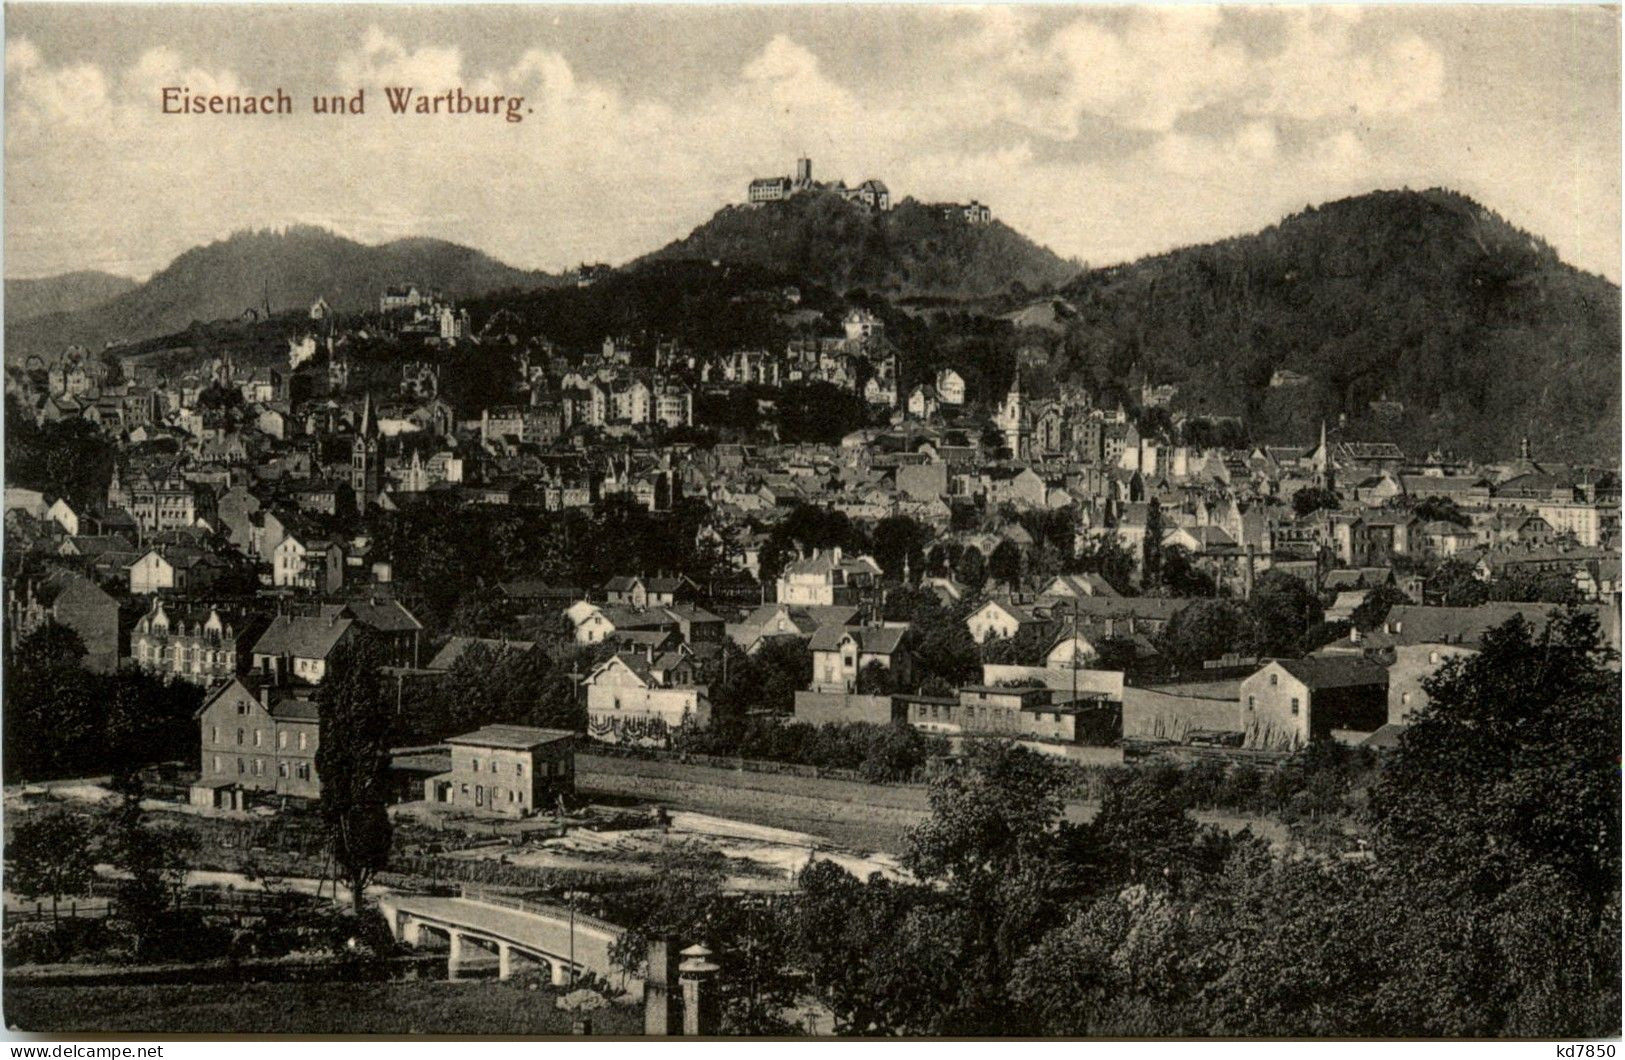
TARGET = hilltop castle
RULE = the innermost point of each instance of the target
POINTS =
(871, 194)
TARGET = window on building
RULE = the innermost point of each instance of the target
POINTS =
(476, 765)
(1252, 702)
(214, 734)
(282, 770)
(239, 737)
(301, 741)
(1274, 680)
(519, 770)
(1294, 706)
(241, 767)
(257, 735)
(282, 740)
(1405, 699)
(219, 767)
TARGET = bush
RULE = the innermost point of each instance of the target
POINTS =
(42, 942)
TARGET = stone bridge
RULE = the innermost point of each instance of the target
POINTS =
(476, 923)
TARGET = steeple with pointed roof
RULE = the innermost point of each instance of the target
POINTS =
(366, 465)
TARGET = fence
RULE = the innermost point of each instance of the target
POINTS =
(236, 904)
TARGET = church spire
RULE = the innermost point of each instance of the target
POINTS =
(366, 429)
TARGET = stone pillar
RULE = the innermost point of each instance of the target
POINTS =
(561, 973)
(417, 933)
(504, 960)
(454, 958)
(662, 997)
(702, 1011)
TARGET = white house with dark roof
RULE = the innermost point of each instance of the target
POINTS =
(635, 700)
(827, 578)
(1000, 618)
(298, 648)
(1290, 702)
(840, 653)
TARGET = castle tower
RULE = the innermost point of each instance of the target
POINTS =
(803, 174)
(366, 474)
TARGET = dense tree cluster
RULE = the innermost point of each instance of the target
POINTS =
(64, 720)
(880, 752)
(69, 457)
(1485, 906)
(1281, 617)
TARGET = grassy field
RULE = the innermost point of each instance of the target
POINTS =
(395, 1008)
(849, 813)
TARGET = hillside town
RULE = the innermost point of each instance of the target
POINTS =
(528, 592)
(250, 520)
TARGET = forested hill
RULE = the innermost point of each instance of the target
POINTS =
(62, 294)
(908, 250)
(1475, 332)
(291, 268)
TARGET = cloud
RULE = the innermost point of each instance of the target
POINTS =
(1103, 133)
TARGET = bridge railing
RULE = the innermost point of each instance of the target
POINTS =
(485, 896)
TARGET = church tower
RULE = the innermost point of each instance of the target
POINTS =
(1325, 476)
(366, 472)
(1012, 420)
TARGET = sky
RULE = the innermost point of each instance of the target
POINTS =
(1104, 133)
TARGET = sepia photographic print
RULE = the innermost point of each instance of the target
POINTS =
(725, 521)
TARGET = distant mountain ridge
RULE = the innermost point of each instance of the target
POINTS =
(910, 249)
(70, 291)
(1417, 316)
(290, 268)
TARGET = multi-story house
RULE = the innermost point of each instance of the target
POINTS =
(168, 502)
(195, 644)
(256, 738)
(298, 648)
(841, 653)
(635, 699)
(827, 578)
(301, 561)
(506, 771)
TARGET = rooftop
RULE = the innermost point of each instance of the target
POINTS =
(511, 737)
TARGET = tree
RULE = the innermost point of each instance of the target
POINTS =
(352, 760)
(50, 855)
(1282, 609)
(1000, 803)
(1204, 630)
(1106, 556)
(1026, 648)
(1440, 509)
(899, 544)
(875, 679)
(1151, 552)
(1455, 583)
(1373, 610)
(971, 569)
(1180, 577)
(1005, 564)
(1312, 499)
